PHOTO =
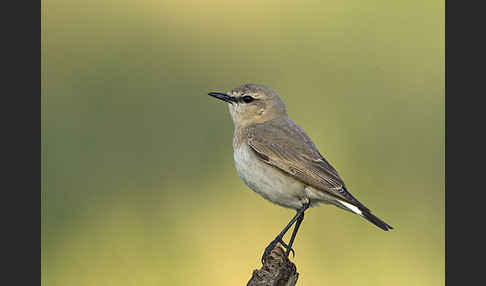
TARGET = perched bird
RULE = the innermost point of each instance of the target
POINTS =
(276, 159)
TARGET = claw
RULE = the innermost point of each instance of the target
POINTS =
(268, 249)
(271, 246)
(288, 252)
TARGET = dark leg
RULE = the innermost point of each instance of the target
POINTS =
(294, 233)
(284, 231)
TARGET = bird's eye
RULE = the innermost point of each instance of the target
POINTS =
(247, 99)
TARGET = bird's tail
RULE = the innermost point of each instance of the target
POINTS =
(376, 221)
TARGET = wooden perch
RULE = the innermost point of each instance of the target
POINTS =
(277, 270)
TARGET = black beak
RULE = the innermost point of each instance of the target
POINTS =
(222, 96)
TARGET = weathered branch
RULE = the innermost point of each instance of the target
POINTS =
(277, 270)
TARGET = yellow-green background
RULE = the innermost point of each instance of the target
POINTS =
(139, 186)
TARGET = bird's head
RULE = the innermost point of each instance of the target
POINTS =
(252, 103)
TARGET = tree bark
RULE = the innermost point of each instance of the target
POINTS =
(277, 270)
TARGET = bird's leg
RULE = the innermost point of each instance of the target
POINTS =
(294, 233)
(279, 237)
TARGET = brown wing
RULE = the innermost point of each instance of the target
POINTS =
(283, 144)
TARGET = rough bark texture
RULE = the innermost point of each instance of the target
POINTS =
(277, 270)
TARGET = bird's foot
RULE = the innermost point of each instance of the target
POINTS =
(272, 245)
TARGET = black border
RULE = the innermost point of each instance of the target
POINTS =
(21, 137)
(464, 123)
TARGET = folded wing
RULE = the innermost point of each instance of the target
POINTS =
(284, 145)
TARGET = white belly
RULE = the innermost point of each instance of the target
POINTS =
(268, 181)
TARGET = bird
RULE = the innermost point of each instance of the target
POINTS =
(276, 159)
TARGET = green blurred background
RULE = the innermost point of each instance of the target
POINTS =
(139, 186)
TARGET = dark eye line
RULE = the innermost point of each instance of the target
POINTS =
(240, 99)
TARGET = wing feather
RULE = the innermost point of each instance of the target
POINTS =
(283, 144)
